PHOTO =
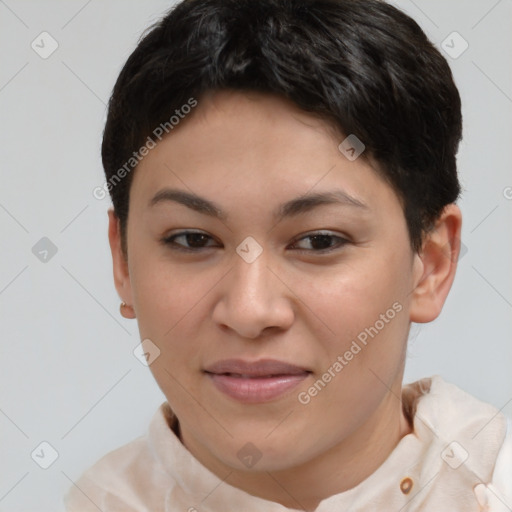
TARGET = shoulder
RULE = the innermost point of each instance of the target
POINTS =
(496, 496)
(129, 478)
(453, 412)
(472, 436)
(117, 481)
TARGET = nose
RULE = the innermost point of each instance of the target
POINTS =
(254, 297)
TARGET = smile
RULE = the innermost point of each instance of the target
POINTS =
(255, 382)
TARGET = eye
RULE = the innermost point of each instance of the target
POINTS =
(194, 240)
(322, 242)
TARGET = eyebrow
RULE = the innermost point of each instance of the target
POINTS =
(297, 206)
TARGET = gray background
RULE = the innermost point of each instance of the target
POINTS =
(68, 374)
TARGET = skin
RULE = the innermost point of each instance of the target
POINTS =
(249, 153)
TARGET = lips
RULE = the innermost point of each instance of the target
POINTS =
(261, 368)
(255, 382)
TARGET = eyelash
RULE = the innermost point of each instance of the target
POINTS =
(170, 242)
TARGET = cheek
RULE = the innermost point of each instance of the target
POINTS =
(168, 306)
(366, 309)
(162, 293)
(364, 357)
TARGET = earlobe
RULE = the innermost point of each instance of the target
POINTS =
(437, 263)
(120, 265)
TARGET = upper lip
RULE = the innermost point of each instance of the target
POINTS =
(260, 368)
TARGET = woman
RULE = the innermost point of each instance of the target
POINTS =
(283, 177)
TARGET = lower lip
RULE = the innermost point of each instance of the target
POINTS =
(256, 390)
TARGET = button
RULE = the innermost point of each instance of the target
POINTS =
(406, 485)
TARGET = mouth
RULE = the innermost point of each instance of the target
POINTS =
(255, 382)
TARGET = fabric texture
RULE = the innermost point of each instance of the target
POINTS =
(458, 458)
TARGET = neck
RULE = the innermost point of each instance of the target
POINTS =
(343, 467)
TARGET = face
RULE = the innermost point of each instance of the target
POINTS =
(279, 297)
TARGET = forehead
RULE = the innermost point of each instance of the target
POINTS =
(259, 117)
(248, 142)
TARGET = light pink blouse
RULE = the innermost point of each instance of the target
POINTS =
(458, 458)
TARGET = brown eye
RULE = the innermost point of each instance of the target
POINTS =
(188, 241)
(322, 242)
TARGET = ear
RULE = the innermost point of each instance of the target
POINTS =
(120, 265)
(436, 263)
